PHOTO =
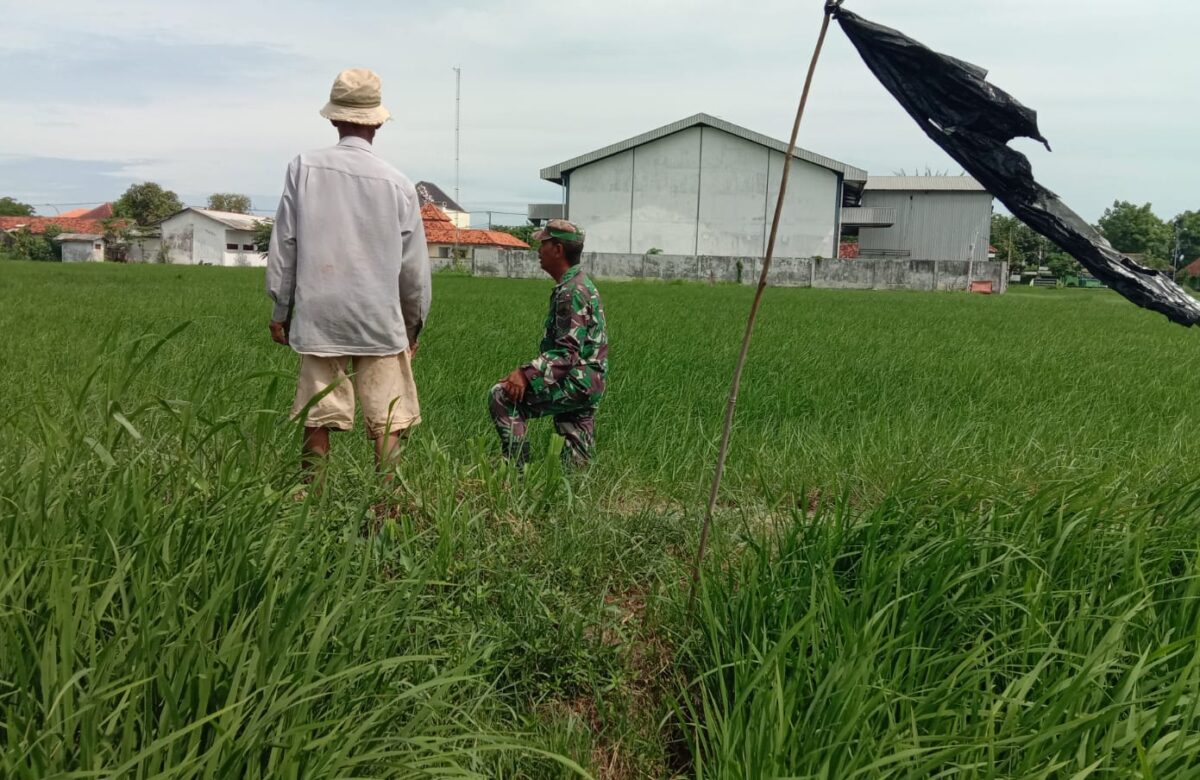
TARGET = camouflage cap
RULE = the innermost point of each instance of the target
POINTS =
(560, 229)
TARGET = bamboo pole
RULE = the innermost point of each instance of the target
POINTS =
(731, 404)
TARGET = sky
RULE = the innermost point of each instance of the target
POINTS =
(219, 96)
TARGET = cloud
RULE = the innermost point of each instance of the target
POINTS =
(57, 180)
(91, 69)
(218, 96)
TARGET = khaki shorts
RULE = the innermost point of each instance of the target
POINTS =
(384, 386)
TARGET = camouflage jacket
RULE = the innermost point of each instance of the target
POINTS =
(575, 345)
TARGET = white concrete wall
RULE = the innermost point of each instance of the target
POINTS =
(601, 196)
(194, 239)
(932, 225)
(666, 193)
(734, 213)
(241, 257)
(808, 225)
(703, 191)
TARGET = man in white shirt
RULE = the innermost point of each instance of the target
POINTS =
(348, 271)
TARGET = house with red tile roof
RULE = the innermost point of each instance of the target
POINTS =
(103, 211)
(430, 193)
(38, 225)
(441, 235)
(78, 238)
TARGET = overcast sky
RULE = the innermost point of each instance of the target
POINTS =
(218, 96)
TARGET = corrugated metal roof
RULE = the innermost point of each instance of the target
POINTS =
(868, 216)
(925, 183)
(232, 219)
(78, 237)
(555, 172)
(428, 192)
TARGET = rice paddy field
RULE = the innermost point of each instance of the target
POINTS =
(959, 538)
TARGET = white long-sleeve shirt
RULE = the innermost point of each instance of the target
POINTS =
(348, 262)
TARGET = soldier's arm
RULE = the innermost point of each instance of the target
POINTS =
(570, 322)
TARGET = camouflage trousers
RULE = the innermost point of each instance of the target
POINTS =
(573, 410)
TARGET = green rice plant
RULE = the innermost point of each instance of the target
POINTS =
(940, 635)
(957, 538)
(170, 610)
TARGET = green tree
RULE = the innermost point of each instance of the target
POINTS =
(262, 236)
(1137, 230)
(116, 239)
(1188, 226)
(523, 232)
(229, 201)
(1016, 243)
(10, 207)
(147, 204)
(1062, 265)
(27, 245)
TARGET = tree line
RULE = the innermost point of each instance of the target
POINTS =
(144, 204)
(1168, 245)
(140, 206)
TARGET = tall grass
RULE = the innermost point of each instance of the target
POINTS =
(958, 539)
(170, 610)
(1047, 636)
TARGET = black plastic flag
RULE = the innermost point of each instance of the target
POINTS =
(973, 122)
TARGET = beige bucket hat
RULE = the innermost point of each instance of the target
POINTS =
(356, 97)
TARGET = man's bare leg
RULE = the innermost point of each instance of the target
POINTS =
(315, 456)
(387, 453)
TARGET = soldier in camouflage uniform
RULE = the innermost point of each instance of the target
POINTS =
(567, 379)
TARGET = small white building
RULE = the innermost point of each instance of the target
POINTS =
(81, 247)
(206, 237)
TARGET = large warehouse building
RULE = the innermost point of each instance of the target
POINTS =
(705, 186)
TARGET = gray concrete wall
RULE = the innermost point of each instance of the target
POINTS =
(858, 274)
(932, 225)
(703, 191)
(143, 250)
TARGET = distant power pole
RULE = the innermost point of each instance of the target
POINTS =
(1176, 252)
(457, 126)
